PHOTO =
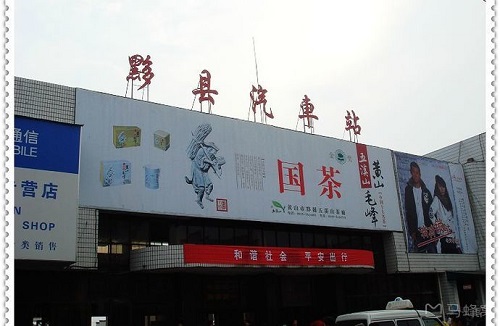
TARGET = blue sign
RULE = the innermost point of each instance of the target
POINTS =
(46, 145)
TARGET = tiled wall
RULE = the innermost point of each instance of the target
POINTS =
(448, 291)
(42, 100)
(86, 239)
(167, 257)
(157, 257)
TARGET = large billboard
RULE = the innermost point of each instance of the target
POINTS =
(437, 214)
(144, 157)
(46, 161)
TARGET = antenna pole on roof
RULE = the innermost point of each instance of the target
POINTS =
(256, 77)
(255, 58)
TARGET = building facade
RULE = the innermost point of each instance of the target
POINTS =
(145, 248)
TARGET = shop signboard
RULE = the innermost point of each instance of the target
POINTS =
(144, 157)
(435, 203)
(46, 162)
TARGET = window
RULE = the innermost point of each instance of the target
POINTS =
(241, 236)
(104, 230)
(120, 233)
(224, 292)
(344, 241)
(295, 239)
(139, 234)
(432, 322)
(332, 240)
(269, 238)
(296, 291)
(120, 230)
(226, 236)
(408, 322)
(113, 235)
(307, 240)
(211, 235)
(356, 242)
(357, 322)
(117, 249)
(136, 246)
(319, 240)
(255, 236)
(195, 234)
(282, 239)
(103, 249)
(158, 231)
(139, 231)
(367, 242)
(383, 323)
(178, 234)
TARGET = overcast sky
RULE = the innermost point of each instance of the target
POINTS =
(414, 72)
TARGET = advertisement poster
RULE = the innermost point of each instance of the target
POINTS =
(144, 157)
(437, 214)
(46, 161)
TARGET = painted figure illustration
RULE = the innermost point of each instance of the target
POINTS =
(203, 159)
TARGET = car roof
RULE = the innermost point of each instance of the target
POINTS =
(385, 314)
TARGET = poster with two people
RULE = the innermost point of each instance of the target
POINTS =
(435, 206)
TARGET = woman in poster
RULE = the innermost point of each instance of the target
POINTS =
(441, 211)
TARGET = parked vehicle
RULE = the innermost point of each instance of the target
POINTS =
(397, 313)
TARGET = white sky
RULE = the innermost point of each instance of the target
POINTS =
(413, 71)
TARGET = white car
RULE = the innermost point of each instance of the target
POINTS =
(397, 313)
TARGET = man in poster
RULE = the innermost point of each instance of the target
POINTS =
(418, 200)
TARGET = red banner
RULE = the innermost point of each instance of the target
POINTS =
(276, 256)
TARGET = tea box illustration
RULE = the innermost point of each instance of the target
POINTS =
(162, 140)
(126, 136)
(115, 173)
(151, 176)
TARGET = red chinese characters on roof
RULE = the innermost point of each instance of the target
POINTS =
(258, 98)
(351, 123)
(137, 62)
(204, 90)
(307, 113)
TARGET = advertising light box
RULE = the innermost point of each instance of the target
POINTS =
(143, 157)
(46, 161)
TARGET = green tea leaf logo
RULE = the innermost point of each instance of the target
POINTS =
(278, 205)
